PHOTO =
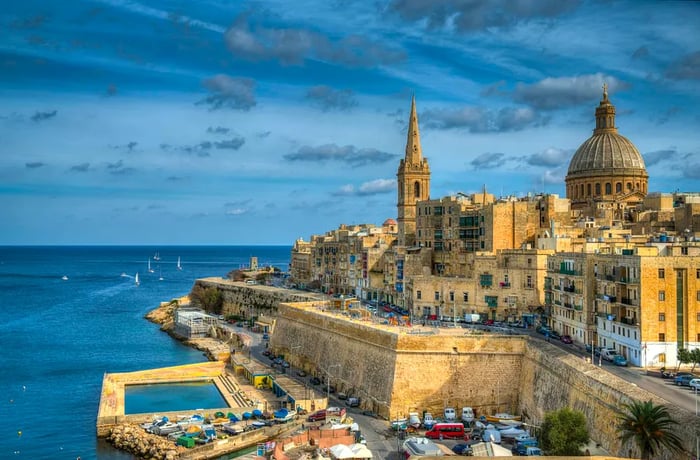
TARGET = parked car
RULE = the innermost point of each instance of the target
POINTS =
(694, 384)
(554, 335)
(566, 339)
(619, 360)
(461, 449)
(318, 415)
(342, 396)
(315, 381)
(589, 347)
(683, 379)
(301, 373)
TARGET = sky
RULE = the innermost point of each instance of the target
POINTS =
(260, 122)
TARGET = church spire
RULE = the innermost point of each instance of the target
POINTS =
(414, 152)
(605, 115)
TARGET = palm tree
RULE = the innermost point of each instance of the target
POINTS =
(650, 427)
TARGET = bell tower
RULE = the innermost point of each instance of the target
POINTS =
(413, 180)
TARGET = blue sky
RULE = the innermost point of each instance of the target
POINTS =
(219, 122)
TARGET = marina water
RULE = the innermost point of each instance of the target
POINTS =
(59, 336)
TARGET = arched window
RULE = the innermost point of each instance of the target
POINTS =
(416, 189)
(637, 186)
(618, 187)
(608, 188)
(588, 189)
(582, 195)
(597, 189)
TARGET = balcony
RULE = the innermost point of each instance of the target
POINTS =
(565, 271)
(578, 307)
(607, 298)
(630, 321)
(557, 302)
(568, 305)
(569, 289)
(504, 285)
(628, 301)
(627, 280)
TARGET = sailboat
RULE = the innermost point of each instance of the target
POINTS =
(156, 256)
(179, 267)
(150, 270)
(160, 272)
(136, 279)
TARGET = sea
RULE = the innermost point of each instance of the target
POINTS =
(69, 314)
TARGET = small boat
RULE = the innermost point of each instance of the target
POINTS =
(188, 420)
(500, 417)
(124, 275)
(150, 270)
(160, 276)
(156, 256)
(399, 424)
(414, 420)
(136, 279)
(179, 267)
(166, 428)
(64, 278)
(233, 428)
(428, 421)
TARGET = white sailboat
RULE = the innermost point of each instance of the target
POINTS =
(136, 279)
(179, 267)
(150, 270)
(160, 272)
(156, 256)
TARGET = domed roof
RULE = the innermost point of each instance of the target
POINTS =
(606, 151)
(389, 222)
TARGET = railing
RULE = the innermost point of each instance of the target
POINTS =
(570, 288)
(568, 305)
(557, 302)
(578, 307)
(630, 321)
(628, 301)
(565, 271)
(504, 285)
(627, 280)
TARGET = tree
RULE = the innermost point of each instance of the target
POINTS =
(695, 358)
(684, 357)
(208, 298)
(564, 432)
(650, 427)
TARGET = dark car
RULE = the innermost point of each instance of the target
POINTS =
(683, 379)
(566, 339)
(315, 381)
(461, 449)
(554, 335)
(301, 373)
(266, 353)
(368, 413)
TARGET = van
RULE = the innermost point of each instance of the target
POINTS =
(353, 402)
(250, 282)
(449, 414)
(467, 415)
(608, 354)
(446, 431)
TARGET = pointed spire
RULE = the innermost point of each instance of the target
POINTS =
(605, 115)
(414, 152)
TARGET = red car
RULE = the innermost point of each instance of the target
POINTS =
(318, 415)
(566, 339)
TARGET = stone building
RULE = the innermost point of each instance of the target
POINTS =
(607, 174)
(413, 180)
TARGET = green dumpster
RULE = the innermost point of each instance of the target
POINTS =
(185, 441)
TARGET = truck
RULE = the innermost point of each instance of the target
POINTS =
(472, 318)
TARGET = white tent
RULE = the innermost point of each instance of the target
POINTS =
(360, 451)
(341, 451)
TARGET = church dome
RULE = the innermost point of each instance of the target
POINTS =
(606, 152)
(389, 222)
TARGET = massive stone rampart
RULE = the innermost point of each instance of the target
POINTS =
(245, 299)
(395, 371)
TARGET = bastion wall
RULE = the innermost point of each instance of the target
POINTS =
(395, 372)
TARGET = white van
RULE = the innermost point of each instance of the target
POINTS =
(450, 413)
(608, 353)
(467, 414)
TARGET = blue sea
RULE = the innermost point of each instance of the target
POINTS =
(58, 337)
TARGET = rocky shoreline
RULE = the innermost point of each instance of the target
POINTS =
(135, 440)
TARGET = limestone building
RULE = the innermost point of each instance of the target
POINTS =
(413, 180)
(606, 175)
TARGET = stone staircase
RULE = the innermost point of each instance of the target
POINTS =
(233, 390)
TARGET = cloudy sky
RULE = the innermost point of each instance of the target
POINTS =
(234, 122)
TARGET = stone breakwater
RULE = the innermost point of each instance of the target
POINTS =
(135, 440)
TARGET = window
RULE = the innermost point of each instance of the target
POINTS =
(437, 295)
(697, 273)
(588, 189)
(465, 297)
(662, 273)
(662, 337)
(452, 296)
(662, 316)
(662, 296)
(618, 187)
(416, 189)
(529, 281)
(697, 296)
(698, 316)
(597, 189)
(418, 295)
(608, 188)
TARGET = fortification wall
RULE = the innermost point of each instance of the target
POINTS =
(552, 379)
(394, 372)
(246, 299)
